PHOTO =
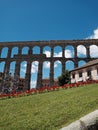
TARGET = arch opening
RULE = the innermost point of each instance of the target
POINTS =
(81, 63)
(2, 66)
(69, 65)
(36, 50)
(34, 74)
(46, 73)
(25, 50)
(23, 68)
(81, 51)
(57, 51)
(12, 68)
(69, 51)
(57, 69)
(94, 51)
(47, 51)
(4, 52)
(14, 51)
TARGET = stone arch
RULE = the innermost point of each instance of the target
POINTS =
(69, 65)
(69, 51)
(36, 50)
(4, 52)
(47, 51)
(81, 62)
(14, 51)
(94, 51)
(81, 51)
(57, 68)
(25, 50)
(57, 51)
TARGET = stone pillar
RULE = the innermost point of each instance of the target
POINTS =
(63, 66)
(17, 68)
(63, 52)
(51, 73)
(52, 52)
(0, 52)
(6, 72)
(51, 68)
(30, 50)
(19, 50)
(7, 63)
(39, 78)
(75, 57)
(75, 52)
(9, 52)
(75, 63)
(88, 52)
(41, 50)
(28, 76)
(7, 67)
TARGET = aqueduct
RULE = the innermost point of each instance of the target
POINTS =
(41, 57)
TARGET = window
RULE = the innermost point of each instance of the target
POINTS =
(73, 76)
(80, 74)
(88, 73)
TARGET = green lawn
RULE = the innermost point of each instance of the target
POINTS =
(48, 111)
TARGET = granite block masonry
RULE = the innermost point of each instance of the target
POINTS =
(41, 57)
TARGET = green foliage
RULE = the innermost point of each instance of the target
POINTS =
(48, 111)
(64, 78)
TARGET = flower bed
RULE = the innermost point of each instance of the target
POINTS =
(46, 89)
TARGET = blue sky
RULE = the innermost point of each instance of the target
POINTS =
(30, 20)
(27, 20)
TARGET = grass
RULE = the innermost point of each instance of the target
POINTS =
(48, 111)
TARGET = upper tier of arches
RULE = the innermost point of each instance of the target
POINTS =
(65, 49)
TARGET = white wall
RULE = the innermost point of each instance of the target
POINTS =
(94, 74)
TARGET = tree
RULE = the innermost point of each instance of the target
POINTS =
(64, 78)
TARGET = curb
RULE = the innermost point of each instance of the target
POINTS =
(84, 123)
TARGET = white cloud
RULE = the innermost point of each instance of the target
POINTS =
(56, 63)
(23, 70)
(25, 65)
(94, 51)
(48, 53)
(68, 53)
(34, 67)
(94, 35)
(58, 54)
(47, 64)
(94, 48)
(81, 50)
(33, 84)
